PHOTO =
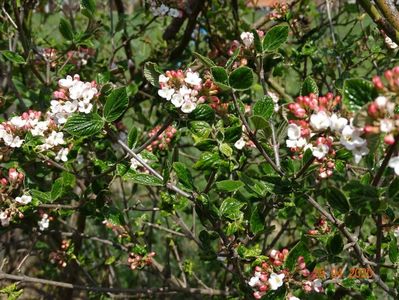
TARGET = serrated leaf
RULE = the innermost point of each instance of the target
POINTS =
(357, 92)
(337, 199)
(309, 86)
(203, 112)
(275, 37)
(13, 57)
(132, 137)
(229, 185)
(184, 175)
(89, 5)
(151, 73)
(231, 208)
(257, 42)
(259, 122)
(226, 149)
(335, 244)
(84, 124)
(205, 60)
(66, 29)
(116, 104)
(241, 78)
(219, 75)
(256, 222)
(144, 179)
(264, 108)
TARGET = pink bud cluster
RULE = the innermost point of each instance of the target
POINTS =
(392, 81)
(321, 227)
(137, 261)
(163, 140)
(15, 179)
(60, 257)
(81, 56)
(305, 105)
(279, 12)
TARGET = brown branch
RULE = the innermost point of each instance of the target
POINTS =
(388, 9)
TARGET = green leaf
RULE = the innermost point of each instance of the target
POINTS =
(335, 244)
(205, 60)
(337, 199)
(226, 149)
(13, 57)
(299, 249)
(84, 124)
(219, 75)
(116, 104)
(62, 185)
(241, 78)
(66, 29)
(393, 250)
(184, 175)
(232, 59)
(203, 112)
(151, 73)
(231, 208)
(256, 222)
(357, 92)
(259, 122)
(264, 108)
(200, 128)
(144, 179)
(309, 86)
(207, 160)
(89, 6)
(229, 185)
(363, 198)
(42, 197)
(275, 37)
(257, 42)
(132, 137)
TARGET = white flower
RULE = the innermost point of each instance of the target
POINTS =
(296, 143)
(134, 164)
(55, 107)
(350, 138)
(320, 151)
(62, 155)
(359, 152)
(294, 131)
(386, 125)
(163, 79)
(12, 141)
(177, 100)
(24, 199)
(76, 90)
(390, 43)
(70, 107)
(67, 82)
(317, 285)
(240, 143)
(89, 92)
(293, 298)
(381, 101)
(247, 38)
(174, 13)
(166, 93)
(276, 280)
(85, 107)
(337, 123)
(44, 222)
(40, 128)
(320, 121)
(18, 122)
(253, 281)
(192, 78)
(394, 164)
(163, 9)
(54, 139)
(188, 106)
(4, 219)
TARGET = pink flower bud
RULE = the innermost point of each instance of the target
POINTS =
(258, 269)
(277, 263)
(263, 288)
(263, 277)
(389, 139)
(257, 295)
(377, 83)
(3, 181)
(372, 110)
(12, 174)
(305, 272)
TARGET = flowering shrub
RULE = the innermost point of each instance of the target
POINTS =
(171, 147)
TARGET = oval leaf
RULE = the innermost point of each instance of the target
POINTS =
(84, 124)
(116, 104)
(275, 37)
(241, 78)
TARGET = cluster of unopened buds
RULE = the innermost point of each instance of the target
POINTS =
(321, 227)
(280, 9)
(119, 230)
(81, 56)
(314, 125)
(49, 55)
(160, 9)
(382, 117)
(60, 257)
(185, 89)
(163, 140)
(137, 261)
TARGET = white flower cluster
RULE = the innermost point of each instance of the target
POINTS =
(181, 89)
(247, 39)
(349, 136)
(164, 10)
(75, 95)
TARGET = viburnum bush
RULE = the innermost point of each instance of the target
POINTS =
(199, 149)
